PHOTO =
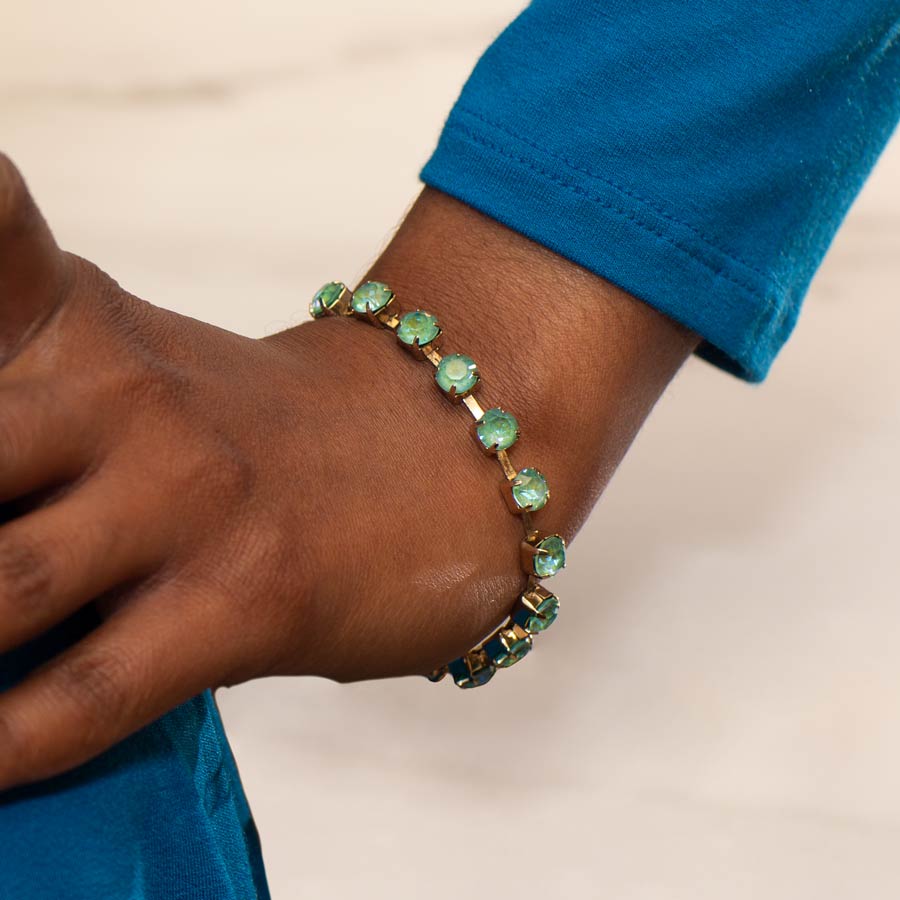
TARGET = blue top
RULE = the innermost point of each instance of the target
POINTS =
(160, 816)
(699, 155)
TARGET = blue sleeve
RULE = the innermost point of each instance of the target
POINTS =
(699, 155)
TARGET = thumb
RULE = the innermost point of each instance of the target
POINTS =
(32, 268)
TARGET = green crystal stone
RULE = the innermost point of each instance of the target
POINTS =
(548, 609)
(497, 429)
(325, 298)
(529, 490)
(417, 326)
(373, 296)
(505, 653)
(551, 556)
(456, 371)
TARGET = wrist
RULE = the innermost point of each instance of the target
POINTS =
(577, 360)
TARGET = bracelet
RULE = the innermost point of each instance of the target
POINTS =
(496, 430)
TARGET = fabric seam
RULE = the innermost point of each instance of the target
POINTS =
(575, 167)
(765, 306)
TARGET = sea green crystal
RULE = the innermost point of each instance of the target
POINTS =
(456, 371)
(529, 490)
(372, 296)
(548, 609)
(497, 429)
(551, 556)
(325, 298)
(505, 653)
(417, 326)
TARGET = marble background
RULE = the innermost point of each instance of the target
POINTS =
(717, 713)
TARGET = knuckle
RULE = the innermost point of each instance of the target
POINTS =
(267, 548)
(257, 556)
(156, 381)
(231, 471)
(26, 577)
(17, 741)
(101, 685)
(133, 343)
(22, 409)
(212, 466)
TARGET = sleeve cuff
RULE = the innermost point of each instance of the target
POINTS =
(583, 217)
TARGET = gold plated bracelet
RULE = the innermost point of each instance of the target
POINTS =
(496, 430)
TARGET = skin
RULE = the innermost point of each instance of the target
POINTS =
(304, 504)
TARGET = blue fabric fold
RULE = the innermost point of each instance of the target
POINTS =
(160, 816)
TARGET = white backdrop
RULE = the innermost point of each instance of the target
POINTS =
(716, 713)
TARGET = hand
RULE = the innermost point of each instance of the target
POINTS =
(303, 504)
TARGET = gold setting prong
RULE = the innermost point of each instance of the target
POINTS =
(422, 350)
(487, 451)
(492, 449)
(341, 306)
(533, 596)
(392, 321)
(507, 490)
(528, 551)
(516, 632)
(433, 344)
(456, 396)
(381, 316)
